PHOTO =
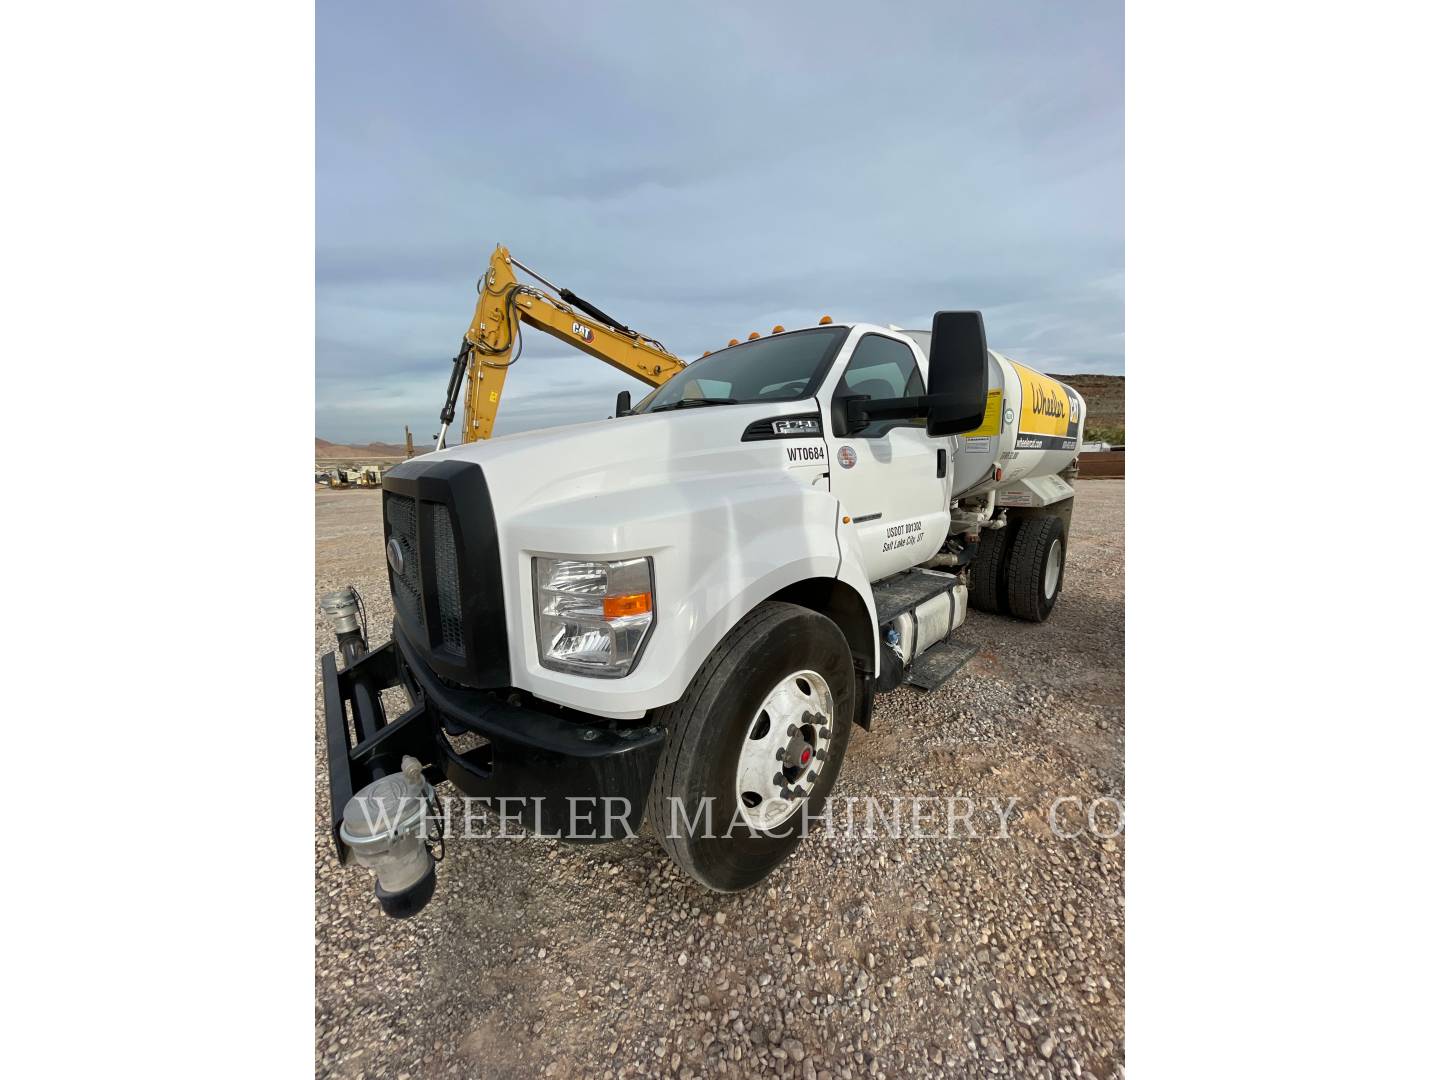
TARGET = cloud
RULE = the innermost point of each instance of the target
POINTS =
(701, 172)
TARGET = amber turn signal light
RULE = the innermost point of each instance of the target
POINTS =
(617, 607)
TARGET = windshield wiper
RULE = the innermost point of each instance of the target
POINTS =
(691, 402)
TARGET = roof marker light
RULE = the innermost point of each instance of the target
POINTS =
(734, 341)
(778, 329)
(825, 320)
(753, 335)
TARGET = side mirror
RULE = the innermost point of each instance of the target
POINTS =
(959, 373)
(622, 403)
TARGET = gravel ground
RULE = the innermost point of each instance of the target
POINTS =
(884, 957)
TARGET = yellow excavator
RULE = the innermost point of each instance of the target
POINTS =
(493, 342)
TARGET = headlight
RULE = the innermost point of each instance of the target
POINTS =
(591, 617)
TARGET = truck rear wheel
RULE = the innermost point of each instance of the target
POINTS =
(754, 746)
(987, 572)
(1037, 568)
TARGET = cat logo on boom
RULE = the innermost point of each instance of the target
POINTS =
(584, 333)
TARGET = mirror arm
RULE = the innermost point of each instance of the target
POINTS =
(900, 408)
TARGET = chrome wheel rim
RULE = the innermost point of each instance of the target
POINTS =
(1052, 568)
(784, 753)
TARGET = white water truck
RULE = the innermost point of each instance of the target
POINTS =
(680, 612)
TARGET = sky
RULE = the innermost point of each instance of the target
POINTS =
(702, 171)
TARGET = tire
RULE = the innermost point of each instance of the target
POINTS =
(780, 658)
(1037, 568)
(987, 572)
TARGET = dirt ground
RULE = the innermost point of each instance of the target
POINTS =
(1000, 954)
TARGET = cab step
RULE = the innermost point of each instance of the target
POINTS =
(934, 667)
(906, 591)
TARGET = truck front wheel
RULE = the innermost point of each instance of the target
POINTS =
(1037, 568)
(754, 746)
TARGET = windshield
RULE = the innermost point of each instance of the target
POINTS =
(786, 367)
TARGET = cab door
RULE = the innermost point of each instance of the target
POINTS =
(888, 475)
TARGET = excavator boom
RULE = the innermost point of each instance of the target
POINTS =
(492, 344)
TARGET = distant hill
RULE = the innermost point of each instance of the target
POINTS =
(325, 450)
(1104, 398)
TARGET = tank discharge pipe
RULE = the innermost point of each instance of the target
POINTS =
(945, 558)
(385, 826)
(346, 612)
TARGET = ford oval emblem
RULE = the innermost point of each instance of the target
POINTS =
(395, 556)
(847, 457)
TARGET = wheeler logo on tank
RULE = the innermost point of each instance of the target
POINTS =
(1048, 409)
(1046, 402)
(846, 454)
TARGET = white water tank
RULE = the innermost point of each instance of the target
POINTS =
(1033, 426)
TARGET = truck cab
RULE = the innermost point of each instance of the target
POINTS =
(683, 610)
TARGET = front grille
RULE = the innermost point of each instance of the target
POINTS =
(447, 579)
(448, 593)
(400, 516)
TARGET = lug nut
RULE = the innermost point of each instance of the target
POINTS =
(792, 730)
(779, 780)
(811, 777)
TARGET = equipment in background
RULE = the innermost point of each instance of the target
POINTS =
(493, 343)
(409, 443)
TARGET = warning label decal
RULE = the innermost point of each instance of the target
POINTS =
(991, 424)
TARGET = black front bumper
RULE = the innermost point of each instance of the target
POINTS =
(530, 755)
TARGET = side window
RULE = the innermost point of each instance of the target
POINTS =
(882, 367)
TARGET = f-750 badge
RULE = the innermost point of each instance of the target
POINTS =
(584, 333)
